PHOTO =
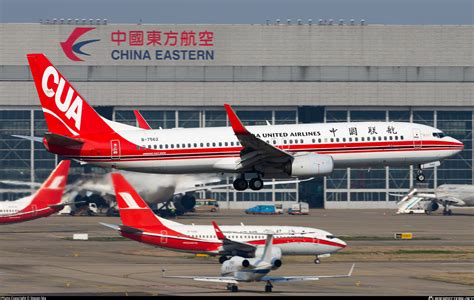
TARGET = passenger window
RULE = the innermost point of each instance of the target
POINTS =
(285, 142)
(161, 146)
(166, 146)
(385, 138)
(213, 144)
(291, 141)
(350, 139)
(220, 144)
(344, 139)
(319, 140)
(226, 144)
(380, 138)
(149, 146)
(396, 137)
(171, 146)
(274, 142)
(138, 147)
(401, 137)
(337, 140)
(314, 141)
(155, 146)
(356, 139)
(208, 144)
(362, 139)
(332, 140)
(302, 142)
(183, 146)
(390, 137)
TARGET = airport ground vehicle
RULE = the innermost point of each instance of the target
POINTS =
(264, 210)
(43, 203)
(139, 223)
(240, 269)
(253, 153)
(206, 205)
(301, 208)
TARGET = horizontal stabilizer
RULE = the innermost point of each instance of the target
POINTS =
(37, 139)
(61, 140)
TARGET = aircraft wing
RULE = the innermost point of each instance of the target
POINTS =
(305, 278)
(203, 278)
(229, 245)
(255, 150)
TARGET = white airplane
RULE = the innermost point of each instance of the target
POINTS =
(461, 195)
(241, 269)
(139, 223)
(44, 202)
(254, 153)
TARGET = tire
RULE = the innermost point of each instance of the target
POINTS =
(317, 261)
(234, 289)
(256, 184)
(420, 177)
(268, 289)
(240, 184)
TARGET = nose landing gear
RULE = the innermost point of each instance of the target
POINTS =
(268, 287)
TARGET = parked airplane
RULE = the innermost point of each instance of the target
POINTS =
(43, 203)
(139, 223)
(256, 152)
(240, 269)
(447, 195)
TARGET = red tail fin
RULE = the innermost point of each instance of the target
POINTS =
(142, 123)
(52, 189)
(65, 111)
(134, 212)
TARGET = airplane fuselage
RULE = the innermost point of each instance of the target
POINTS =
(205, 150)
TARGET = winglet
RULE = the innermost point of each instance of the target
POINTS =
(237, 126)
(142, 123)
(219, 233)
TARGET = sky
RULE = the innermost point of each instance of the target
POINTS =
(241, 11)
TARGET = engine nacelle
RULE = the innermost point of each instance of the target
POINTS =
(431, 206)
(309, 165)
(276, 263)
(245, 263)
(184, 203)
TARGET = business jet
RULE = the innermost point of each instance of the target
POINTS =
(45, 202)
(139, 223)
(447, 195)
(241, 269)
(75, 130)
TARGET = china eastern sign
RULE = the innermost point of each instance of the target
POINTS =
(144, 45)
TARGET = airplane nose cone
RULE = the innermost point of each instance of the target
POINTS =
(341, 243)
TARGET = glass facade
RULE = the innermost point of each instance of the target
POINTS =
(28, 161)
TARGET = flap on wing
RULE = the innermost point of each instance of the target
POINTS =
(61, 140)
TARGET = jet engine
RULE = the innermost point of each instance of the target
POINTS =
(276, 263)
(309, 165)
(431, 206)
(184, 203)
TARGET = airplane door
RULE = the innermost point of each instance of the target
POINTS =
(34, 209)
(115, 149)
(417, 138)
(164, 239)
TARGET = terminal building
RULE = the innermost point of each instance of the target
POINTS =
(181, 75)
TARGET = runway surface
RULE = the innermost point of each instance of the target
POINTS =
(37, 258)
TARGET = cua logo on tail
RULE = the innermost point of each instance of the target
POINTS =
(72, 110)
(71, 48)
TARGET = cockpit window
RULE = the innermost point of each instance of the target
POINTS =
(439, 134)
(330, 237)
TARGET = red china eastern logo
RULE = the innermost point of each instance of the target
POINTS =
(71, 47)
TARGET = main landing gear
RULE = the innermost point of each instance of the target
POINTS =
(222, 259)
(232, 287)
(240, 184)
(268, 287)
(447, 211)
(317, 260)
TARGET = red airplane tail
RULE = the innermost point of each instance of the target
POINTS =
(52, 189)
(66, 112)
(134, 212)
